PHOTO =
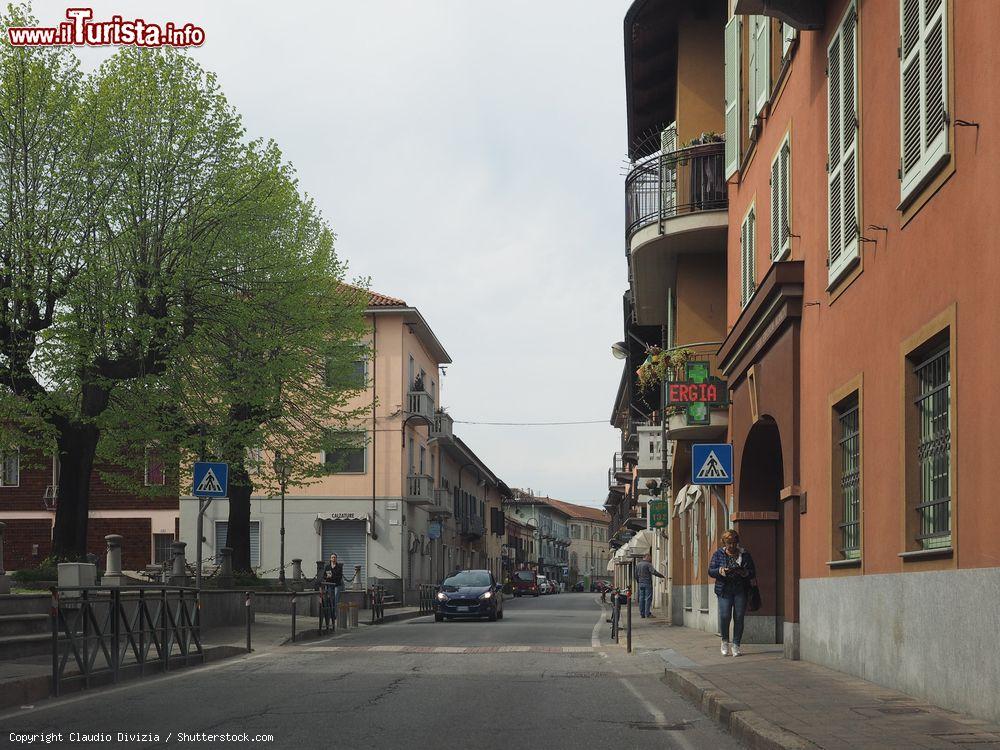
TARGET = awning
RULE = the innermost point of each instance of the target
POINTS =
(641, 544)
(688, 495)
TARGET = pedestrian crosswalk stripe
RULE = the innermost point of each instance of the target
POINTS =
(397, 649)
(712, 468)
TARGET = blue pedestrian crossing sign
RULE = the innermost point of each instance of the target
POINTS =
(211, 479)
(712, 463)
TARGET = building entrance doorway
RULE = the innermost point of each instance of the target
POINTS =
(759, 522)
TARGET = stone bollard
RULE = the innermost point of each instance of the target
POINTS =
(319, 572)
(226, 566)
(342, 618)
(113, 566)
(4, 580)
(296, 569)
(178, 576)
(356, 582)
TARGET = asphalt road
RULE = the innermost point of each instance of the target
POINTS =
(543, 677)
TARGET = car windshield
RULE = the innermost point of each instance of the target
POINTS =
(468, 578)
(524, 575)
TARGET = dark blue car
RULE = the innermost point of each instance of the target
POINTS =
(469, 593)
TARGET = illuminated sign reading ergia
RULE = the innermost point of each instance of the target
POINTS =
(711, 392)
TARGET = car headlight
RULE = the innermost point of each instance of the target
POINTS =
(487, 595)
(442, 597)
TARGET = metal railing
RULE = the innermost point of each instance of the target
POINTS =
(689, 180)
(472, 526)
(106, 629)
(428, 591)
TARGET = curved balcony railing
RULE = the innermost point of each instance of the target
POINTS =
(686, 181)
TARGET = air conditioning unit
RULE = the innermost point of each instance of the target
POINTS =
(650, 451)
(51, 497)
(668, 138)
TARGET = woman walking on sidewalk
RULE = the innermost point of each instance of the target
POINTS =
(734, 572)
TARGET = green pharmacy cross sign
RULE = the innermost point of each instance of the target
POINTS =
(697, 393)
(659, 514)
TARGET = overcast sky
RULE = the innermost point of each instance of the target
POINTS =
(468, 154)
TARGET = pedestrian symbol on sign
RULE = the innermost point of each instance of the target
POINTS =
(712, 463)
(209, 484)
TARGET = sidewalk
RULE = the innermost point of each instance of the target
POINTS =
(767, 701)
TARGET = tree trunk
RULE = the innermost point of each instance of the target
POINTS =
(240, 489)
(77, 446)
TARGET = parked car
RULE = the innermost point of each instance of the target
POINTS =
(469, 593)
(599, 585)
(578, 586)
(524, 583)
(544, 585)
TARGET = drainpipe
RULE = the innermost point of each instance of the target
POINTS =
(374, 423)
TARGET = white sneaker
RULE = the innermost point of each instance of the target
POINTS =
(736, 650)
(725, 648)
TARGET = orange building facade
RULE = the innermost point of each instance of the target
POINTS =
(861, 332)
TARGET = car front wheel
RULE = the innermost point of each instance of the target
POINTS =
(438, 618)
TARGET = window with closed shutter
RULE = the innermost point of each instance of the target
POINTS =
(732, 86)
(748, 244)
(842, 143)
(923, 72)
(222, 539)
(781, 233)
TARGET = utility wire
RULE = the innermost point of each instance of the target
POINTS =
(530, 424)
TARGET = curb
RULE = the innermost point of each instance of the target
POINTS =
(735, 717)
(313, 633)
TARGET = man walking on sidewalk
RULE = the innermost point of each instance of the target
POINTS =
(644, 572)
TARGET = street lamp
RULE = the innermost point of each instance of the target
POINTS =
(281, 472)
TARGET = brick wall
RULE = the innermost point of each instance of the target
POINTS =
(36, 475)
(18, 539)
(136, 544)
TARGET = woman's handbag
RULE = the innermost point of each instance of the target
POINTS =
(753, 598)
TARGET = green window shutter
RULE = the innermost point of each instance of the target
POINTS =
(732, 104)
(775, 207)
(762, 45)
(748, 248)
(842, 139)
(788, 36)
(785, 210)
(752, 74)
(923, 91)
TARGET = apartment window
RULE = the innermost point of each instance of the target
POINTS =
(574, 531)
(352, 374)
(933, 450)
(411, 372)
(344, 452)
(842, 141)
(155, 475)
(222, 539)
(848, 417)
(254, 459)
(10, 467)
(748, 249)
(458, 503)
(759, 67)
(162, 551)
(781, 231)
(923, 91)
(423, 460)
(732, 92)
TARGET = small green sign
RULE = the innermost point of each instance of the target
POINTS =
(659, 514)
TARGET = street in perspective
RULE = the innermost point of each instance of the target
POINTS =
(342, 405)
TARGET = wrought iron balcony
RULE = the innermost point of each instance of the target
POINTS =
(472, 527)
(419, 489)
(420, 404)
(442, 502)
(689, 180)
(441, 428)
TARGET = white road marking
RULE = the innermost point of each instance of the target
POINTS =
(658, 716)
(595, 636)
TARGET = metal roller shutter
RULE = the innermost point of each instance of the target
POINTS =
(222, 536)
(348, 540)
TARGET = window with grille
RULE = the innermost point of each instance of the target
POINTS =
(10, 467)
(162, 551)
(849, 447)
(923, 91)
(781, 231)
(842, 142)
(748, 248)
(933, 409)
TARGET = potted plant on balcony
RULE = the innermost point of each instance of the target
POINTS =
(659, 364)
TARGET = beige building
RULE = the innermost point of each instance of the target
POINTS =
(414, 503)
(588, 541)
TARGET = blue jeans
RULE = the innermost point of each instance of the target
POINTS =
(645, 598)
(331, 595)
(732, 608)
